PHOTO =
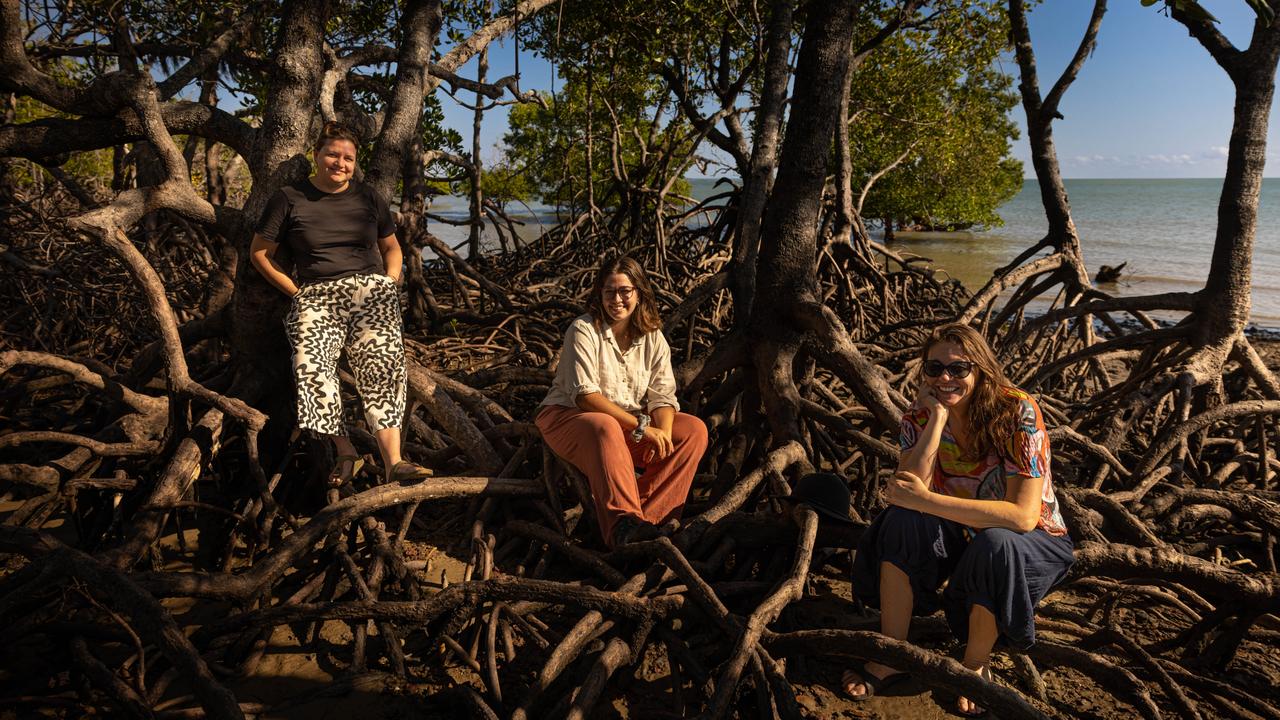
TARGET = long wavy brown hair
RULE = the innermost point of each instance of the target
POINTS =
(993, 412)
(645, 319)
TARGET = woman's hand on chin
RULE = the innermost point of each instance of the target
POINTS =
(906, 490)
(927, 400)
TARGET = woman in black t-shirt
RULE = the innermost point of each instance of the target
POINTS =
(347, 263)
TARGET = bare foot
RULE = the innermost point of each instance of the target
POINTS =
(967, 707)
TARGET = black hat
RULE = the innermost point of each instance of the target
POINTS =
(827, 493)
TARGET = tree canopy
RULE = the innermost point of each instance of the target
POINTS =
(930, 132)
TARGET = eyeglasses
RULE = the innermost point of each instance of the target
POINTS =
(958, 370)
(623, 292)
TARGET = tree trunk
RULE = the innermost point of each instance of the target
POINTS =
(1041, 112)
(1226, 295)
(477, 194)
(1044, 155)
(764, 157)
(278, 157)
(787, 265)
(1223, 306)
(420, 28)
(215, 183)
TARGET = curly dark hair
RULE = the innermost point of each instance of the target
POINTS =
(645, 319)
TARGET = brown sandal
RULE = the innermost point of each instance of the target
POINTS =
(337, 478)
(405, 471)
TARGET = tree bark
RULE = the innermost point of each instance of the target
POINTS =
(278, 157)
(1062, 236)
(420, 28)
(787, 270)
(1224, 303)
(764, 157)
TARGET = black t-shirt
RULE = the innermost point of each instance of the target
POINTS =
(332, 235)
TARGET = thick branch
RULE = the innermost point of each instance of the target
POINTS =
(246, 585)
(467, 49)
(1203, 30)
(53, 137)
(1261, 590)
(420, 24)
(1050, 106)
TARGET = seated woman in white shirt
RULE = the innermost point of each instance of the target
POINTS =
(613, 408)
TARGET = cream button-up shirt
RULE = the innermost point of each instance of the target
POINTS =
(638, 379)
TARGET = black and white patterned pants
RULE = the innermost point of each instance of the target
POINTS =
(362, 314)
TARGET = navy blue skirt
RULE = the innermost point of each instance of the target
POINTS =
(1005, 571)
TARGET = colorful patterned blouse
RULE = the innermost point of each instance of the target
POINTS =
(1026, 453)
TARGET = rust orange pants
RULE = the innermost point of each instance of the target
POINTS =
(596, 444)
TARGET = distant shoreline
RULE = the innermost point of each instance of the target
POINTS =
(1163, 228)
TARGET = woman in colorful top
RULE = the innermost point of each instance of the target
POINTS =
(344, 296)
(972, 504)
(612, 408)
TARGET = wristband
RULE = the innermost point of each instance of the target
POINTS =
(643, 423)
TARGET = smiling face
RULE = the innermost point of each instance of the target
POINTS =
(335, 163)
(951, 391)
(620, 298)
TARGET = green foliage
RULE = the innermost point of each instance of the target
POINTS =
(932, 92)
(613, 94)
(434, 133)
(935, 102)
(551, 146)
(502, 183)
(91, 169)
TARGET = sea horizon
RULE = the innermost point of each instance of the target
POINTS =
(1161, 228)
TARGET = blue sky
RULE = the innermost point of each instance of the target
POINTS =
(1150, 103)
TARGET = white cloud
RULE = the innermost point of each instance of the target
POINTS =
(1163, 159)
(1094, 159)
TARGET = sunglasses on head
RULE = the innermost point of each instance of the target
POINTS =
(958, 370)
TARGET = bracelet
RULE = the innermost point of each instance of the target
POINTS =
(643, 423)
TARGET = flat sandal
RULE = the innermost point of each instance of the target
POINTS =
(336, 477)
(405, 471)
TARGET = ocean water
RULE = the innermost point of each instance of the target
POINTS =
(1162, 229)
